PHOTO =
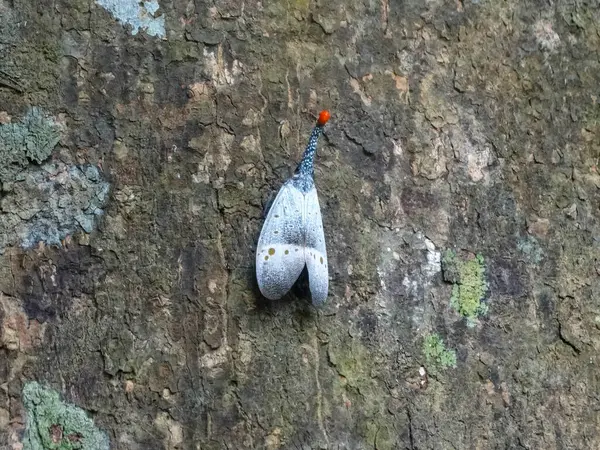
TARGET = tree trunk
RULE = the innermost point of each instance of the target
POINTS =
(460, 193)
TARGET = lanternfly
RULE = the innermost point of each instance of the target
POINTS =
(292, 235)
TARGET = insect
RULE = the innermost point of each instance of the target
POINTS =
(292, 236)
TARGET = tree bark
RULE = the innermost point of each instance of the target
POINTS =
(459, 186)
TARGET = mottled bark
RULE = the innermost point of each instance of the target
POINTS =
(460, 192)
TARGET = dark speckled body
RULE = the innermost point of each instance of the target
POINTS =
(303, 178)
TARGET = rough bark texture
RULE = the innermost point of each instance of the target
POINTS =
(460, 192)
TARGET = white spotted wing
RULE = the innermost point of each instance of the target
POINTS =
(314, 248)
(292, 236)
(280, 251)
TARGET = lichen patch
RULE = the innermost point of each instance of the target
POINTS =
(139, 15)
(469, 284)
(49, 203)
(52, 423)
(437, 354)
(29, 141)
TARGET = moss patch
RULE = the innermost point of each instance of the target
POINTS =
(53, 424)
(356, 384)
(470, 286)
(436, 352)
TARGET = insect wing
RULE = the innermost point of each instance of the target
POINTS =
(279, 254)
(315, 252)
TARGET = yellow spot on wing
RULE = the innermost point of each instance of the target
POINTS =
(321, 258)
(271, 251)
(266, 258)
(287, 251)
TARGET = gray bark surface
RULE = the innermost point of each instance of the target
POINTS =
(460, 191)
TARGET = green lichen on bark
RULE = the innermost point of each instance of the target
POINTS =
(470, 285)
(436, 353)
(29, 141)
(55, 425)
